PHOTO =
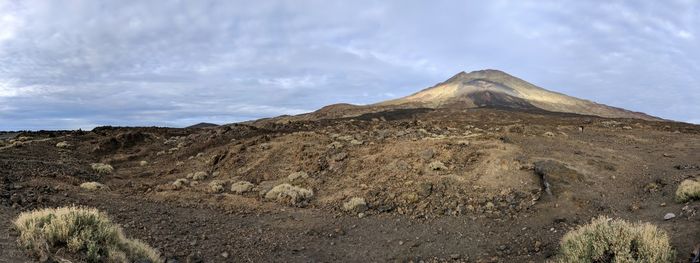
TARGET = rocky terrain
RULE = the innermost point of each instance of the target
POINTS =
(492, 183)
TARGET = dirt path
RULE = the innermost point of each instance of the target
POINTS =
(8, 245)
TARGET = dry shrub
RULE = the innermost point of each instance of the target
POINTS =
(102, 168)
(181, 183)
(615, 240)
(92, 186)
(217, 186)
(355, 205)
(289, 194)
(241, 187)
(86, 232)
(688, 190)
(199, 176)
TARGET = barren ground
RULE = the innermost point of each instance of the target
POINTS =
(484, 204)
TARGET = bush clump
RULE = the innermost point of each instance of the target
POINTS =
(241, 187)
(93, 186)
(102, 168)
(615, 240)
(688, 190)
(289, 194)
(85, 232)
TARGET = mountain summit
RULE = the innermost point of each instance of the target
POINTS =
(494, 88)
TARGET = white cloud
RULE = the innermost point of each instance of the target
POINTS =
(84, 62)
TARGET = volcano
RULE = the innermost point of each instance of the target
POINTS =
(494, 88)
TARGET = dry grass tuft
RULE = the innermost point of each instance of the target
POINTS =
(355, 205)
(615, 240)
(102, 168)
(181, 183)
(93, 186)
(198, 176)
(688, 190)
(217, 186)
(86, 232)
(241, 187)
(289, 194)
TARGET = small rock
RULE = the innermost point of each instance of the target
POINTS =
(549, 134)
(427, 154)
(455, 256)
(669, 216)
(339, 157)
(224, 255)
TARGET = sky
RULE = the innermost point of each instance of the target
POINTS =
(80, 64)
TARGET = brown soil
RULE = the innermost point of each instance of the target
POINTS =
(486, 203)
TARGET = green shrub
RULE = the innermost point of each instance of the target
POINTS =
(86, 232)
(614, 240)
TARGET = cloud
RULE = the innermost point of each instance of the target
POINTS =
(82, 63)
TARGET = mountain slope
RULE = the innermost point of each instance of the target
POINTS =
(493, 88)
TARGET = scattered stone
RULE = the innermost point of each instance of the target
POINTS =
(224, 255)
(437, 166)
(62, 144)
(355, 205)
(143, 163)
(242, 187)
(427, 154)
(339, 157)
(669, 216)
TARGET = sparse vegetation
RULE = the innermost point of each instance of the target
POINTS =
(86, 232)
(688, 190)
(297, 176)
(437, 166)
(180, 183)
(289, 194)
(615, 240)
(241, 187)
(355, 205)
(93, 186)
(102, 168)
(198, 176)
(216, 186)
